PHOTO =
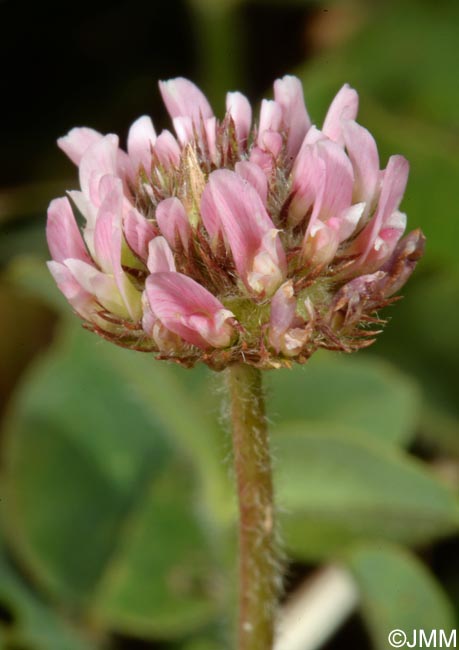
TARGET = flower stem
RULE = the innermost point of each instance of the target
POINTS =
(259, 575)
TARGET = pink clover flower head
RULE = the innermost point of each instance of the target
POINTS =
(235, 239)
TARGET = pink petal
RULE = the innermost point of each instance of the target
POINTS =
(403, 262)
(272, 142)
(392, 190)
(238, 106)
(98, 160)
(138, 232)
(320, 244)
(62, 233)
(173, 221)
(160, 257)
(270, 119)
(344, 107)
(348, 220)
(308, 176)
(81, 300)
(141, 138)
(77, 141)
(102, 286)
(264, 160)
(288, 93)
(334, 193)
(231, 206)
(252, 173)
(283, 309)
(108, 241)
(167, 149)
(185, 129)
(210, 138)
(189, 310)
(363, 153)
(183, 99)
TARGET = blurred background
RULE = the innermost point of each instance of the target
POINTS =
(117, 528)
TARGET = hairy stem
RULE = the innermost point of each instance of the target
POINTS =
(259, 573)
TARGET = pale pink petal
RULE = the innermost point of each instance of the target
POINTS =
(363, 153)
(283, 308)
(185, 129)
(322, 180)
(263, 159)
(173, 221)
(312, 136)
(167, 149)
(149, 318)
(320, 244)
(270, 119)
(98, 160)
(210, 136)
(238, 106)
(267, 270)
(183, 99)
(102, 286)
(288, 93)
(77, 141)
(233, 207)
(308, 176)
(334, 194)
(189, 310)
(81, 300)
(62, 233)
(141, 138)
(348, 220)
(138, 232)
(160, 257)
(392, 190)
(255, 176)
(108, 241)
(344, 107)
(107, 246)
(272, 142)
(403, 262)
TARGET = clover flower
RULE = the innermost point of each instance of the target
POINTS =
(232, 240)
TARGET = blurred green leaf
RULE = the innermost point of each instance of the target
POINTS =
(159, 582)
(173, 395)
(423, 340)
(31, 274)
(33, 624)
(345, 395)
(335, 490)
(398, 592)
(85, 482)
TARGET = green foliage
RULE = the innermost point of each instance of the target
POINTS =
(336, 490)
(99, 499)
(398, 593)
(29, 623)
(345, 395)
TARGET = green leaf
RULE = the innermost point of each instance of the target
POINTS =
(33, 624)
(335, 490)
(423, 340)
(398, 593)
(174, 396)
(159, 582)
(345, 395)
(86, 462)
